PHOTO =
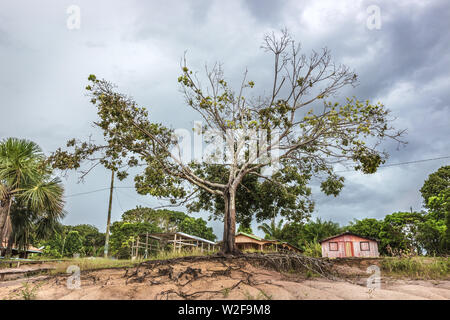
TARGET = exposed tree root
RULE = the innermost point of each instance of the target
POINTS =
(153, 272)
(282, 262)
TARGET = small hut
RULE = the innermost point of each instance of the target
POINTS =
(349, 244)
(146, 244)
(22, 253)
(245, 241)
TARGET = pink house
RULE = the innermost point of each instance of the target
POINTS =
(348, 244)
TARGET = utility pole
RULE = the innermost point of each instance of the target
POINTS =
(108, 222)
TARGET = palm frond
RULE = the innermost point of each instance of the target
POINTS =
(19, 162)
(37, 199)
(3, 191)
(46, 196)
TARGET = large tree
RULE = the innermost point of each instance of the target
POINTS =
(170, 221)
(391, 232)
(436, 196)
(31, 200)
(166, 220)
(436, 192)
(292, 128)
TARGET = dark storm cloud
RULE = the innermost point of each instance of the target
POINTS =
(138, 45)
(4, 39)
(266, 11)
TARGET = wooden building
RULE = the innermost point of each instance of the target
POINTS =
(245, 241)
(348, 244)
(149, 243)
(22, 253)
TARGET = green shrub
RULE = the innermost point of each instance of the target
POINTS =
(312, 249)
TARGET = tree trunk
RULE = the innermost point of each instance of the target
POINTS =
(229, 232)
(9, 247)
(108, 222)
(5, 225)
(3, 215)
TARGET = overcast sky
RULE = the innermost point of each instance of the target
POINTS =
(403, 62)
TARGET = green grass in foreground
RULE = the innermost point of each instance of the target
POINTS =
(417, 267)
(92, 264)
(102, 263)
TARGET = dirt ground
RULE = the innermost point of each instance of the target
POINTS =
(217, 280)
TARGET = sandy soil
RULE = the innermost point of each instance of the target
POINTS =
(213, 280)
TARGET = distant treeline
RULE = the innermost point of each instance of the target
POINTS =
(86, 240)
(401, 233)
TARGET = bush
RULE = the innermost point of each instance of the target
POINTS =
(312, 249)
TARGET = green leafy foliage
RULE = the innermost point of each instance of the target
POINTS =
(436, 196)
(65, 241)
(245, 229)
(31, 200)
(170, 221)
(93, 240)
(137, 222)
(166, 220)
(390, 238)
(286, 193)
(197, 227)
(272, 231)
(332, 185)
(123, 234)
(88, 241)
(73, 244)
(413, 232)
(312, 249)
(438, 183)
(306, 235)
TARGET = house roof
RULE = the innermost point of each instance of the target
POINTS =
(348, 233)
(30, 248)
(195, 237)
(182, 234)
(252, 236)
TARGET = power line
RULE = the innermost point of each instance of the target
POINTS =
(383, 166)
(136, 199)
(118, 201)
(93, 191)
(88, 192)
(416, 161)
(403, 163)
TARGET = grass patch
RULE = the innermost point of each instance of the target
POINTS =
(226, 292)
(101, 263)
(29, 293)
(261, 295)
(417, 267)
(92, 264)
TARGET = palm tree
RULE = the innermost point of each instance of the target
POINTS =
(314, 231)
(272, 231)
(31, 201)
